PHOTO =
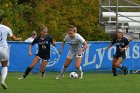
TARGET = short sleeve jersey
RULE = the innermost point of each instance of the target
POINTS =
(76, 42)
(120, 44)
(43, 44)
(4, 32)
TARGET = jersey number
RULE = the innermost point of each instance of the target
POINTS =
(43, 46)
(0, 36)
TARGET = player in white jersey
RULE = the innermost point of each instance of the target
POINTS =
(4, 50)
(76, 42)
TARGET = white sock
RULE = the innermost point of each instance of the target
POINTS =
(120, 66)
(4, 71)
(80, 69)
(63, 71)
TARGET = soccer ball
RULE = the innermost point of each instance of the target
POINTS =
(73, 75)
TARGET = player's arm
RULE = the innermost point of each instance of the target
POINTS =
(15, 38)
(112, 43)
(85, 45)
(63, 43)
(127, 45)
(109, 46)
(123, 49)
(61, 49)
(30, 50)
(31, 45)
(53, 42)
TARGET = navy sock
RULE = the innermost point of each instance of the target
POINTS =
(28, 70)
(114, 71)
(43, 71)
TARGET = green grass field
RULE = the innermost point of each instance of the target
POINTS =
(91, 83)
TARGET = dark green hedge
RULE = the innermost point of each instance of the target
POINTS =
(24, 16)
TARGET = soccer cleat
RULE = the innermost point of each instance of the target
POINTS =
(114, 74)
(4, 86)
(43, 75)
(137, 71)
(59, 77)
(20, 78)
(125, 70)
(81, 75)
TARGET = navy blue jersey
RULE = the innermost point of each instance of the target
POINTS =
(44, 45)
(120, 44)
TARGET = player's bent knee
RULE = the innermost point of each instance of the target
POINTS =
(117, 65)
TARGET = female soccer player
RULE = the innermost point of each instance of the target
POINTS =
(4, 50)
(122, 44)
(76, 50)
(43, 41)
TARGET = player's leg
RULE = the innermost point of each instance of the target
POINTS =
(4, 57)
(29, 68)
(63, 70)
(4, 72)
(119, 65)
(69, 58)
(43, 67)
(78, 67)
(113, 66)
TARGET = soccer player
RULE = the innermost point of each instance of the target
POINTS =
(44, 40)
(4, 50)
(122, 44)
(76, 51)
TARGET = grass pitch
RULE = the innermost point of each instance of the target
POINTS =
(91, 83)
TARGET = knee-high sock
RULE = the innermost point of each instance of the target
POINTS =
(63, 70)
(79, 69)
(43, 71)
(114, 71)
(28, 70)
(4, 72)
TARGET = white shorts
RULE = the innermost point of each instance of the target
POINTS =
(4, 53)
(72, 54)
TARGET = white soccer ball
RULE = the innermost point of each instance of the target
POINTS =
(73, 75)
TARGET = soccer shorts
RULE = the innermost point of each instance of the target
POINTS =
(72, 54)
(4, 53)
(117, 56)
(43, 57)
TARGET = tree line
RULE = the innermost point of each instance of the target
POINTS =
(24, 16)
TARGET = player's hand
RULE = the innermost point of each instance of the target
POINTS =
(106, 48)
(60, 51)
(29, 53)
(122, 50)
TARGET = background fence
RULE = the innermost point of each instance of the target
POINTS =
(95, 57)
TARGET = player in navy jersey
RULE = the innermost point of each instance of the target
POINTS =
(44, 41)
(122, 44)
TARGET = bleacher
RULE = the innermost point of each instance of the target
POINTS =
(128, 21)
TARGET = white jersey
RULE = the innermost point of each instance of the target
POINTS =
(4, 32)
(76, 42)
